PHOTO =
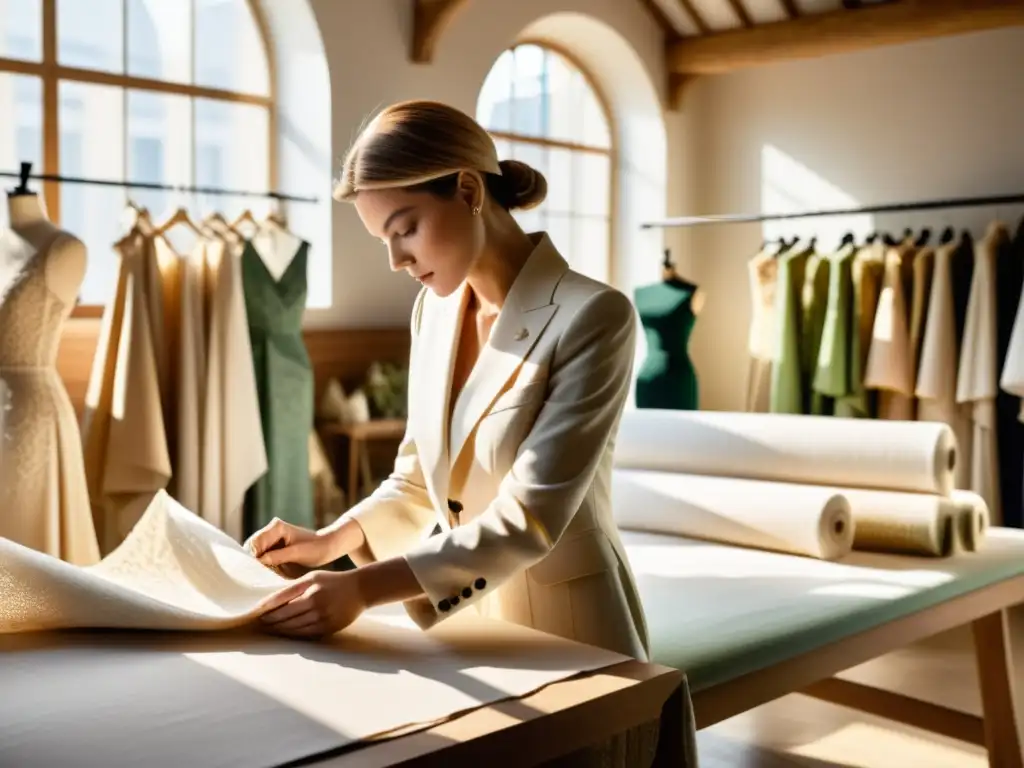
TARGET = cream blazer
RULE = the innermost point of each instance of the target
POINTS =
(519, 483)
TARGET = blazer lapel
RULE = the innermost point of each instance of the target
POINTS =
(527, 311)
(440, 336)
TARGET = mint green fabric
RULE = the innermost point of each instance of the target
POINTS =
(832, 371)
(717, 612)
(284, 381)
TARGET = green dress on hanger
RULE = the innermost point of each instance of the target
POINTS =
(284, 381)
(667, 378)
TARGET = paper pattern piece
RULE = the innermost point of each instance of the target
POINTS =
(233, 698)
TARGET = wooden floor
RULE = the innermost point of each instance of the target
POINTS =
(800, 731)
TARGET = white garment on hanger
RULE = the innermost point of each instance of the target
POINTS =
(937, 372)
(978, 375)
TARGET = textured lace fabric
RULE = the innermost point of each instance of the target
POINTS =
(174, 571)
(44, 501)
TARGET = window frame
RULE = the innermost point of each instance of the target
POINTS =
(611, 152)
(51, 72)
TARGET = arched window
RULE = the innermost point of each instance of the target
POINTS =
(542, 109)
(159, 91)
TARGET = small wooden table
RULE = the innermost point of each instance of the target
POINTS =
(359, 436)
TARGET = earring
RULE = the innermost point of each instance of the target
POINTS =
(476, 211)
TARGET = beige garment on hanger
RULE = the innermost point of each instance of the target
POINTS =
(977, 377)
(125, 443)
(890, 360)
(937, 371)
(44, 496)
(234, 454)
(184, 278)
(762, 271)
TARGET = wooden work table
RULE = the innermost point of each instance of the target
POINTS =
(540, 728)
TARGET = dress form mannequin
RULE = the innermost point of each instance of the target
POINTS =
(667, 312)
(44, 501)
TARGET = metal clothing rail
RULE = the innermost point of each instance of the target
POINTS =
(920, 205)
(24, 175)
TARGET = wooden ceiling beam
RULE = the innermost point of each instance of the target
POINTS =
(693, 13)
(741, 13)
(841, 31)
(430, 19)
(791, 8)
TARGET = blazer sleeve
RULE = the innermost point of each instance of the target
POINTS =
(398, 513)
(588, 386)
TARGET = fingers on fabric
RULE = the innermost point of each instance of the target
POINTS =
(300, 552)
(285, 595)
(274, 534)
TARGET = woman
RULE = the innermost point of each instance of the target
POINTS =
(519, 372)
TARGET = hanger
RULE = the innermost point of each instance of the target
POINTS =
(245, 217)
(923, 238)
(947, 236)
(218, 219)
(671, 276)
(22, 189)
(890, 240)
(180, 216)
(848, 239)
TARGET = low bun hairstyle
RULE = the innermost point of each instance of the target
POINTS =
(422, 146)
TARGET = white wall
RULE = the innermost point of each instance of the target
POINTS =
(943, 118)
(367, 50)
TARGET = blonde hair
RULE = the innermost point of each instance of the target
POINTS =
(424, 145)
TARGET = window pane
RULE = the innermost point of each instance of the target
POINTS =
(229, 49)
(592, 182)
(566, 88)
(232, 153)
(494, 107)
(535, 155)
(560, 180)
(92, 145)
(90, 34)
(21, 29)
(591, 247)
(596, 131)
(21, 138)
(532, 220)
(159, 148)
(529, 91)
(559, 227)
(160, 39)
(503, 149)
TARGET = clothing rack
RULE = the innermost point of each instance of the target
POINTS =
(919, 205)
(25, 174)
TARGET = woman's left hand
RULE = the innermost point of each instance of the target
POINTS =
(315, 605)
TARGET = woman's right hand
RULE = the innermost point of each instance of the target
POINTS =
(291, 550)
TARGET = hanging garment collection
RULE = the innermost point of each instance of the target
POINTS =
(901, 330)
(201, 384)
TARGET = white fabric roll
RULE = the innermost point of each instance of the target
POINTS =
(822, 450)
(796, 519)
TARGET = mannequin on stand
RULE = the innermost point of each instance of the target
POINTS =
(44, 500)
(668, 311)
